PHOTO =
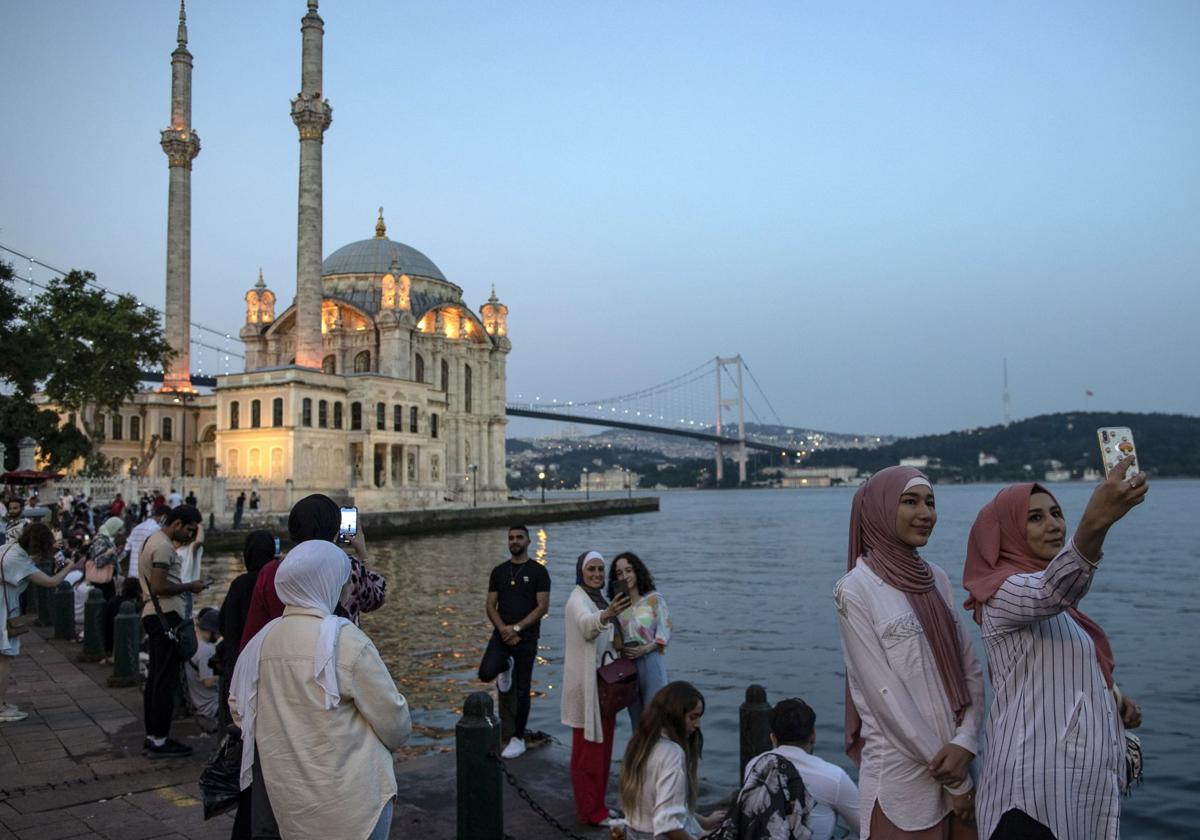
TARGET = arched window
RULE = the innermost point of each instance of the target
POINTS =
(412, 419)
(355, 416)
(166, 430)
(362, 362)
(306, 412)
(380, 417)
(277, 411)
(329, 364)
(233, 414)
(166, 466)
(467, 383)
(433, 425)
(323, 414)
(420, 368)
(445, 376)
(255, 413)
(397, 418)
(135, 428)
(337, 415)
(118, 430)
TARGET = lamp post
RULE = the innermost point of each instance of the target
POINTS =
(183, 399)
(629, 482)
(542, 480)
(474, 468)
(587, 484)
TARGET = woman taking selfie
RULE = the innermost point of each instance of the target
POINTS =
(645, 628)
(915, 687)
(588, 635)
(1056, 749)
(660, 770)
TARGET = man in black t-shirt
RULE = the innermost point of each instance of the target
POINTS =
(518, 596)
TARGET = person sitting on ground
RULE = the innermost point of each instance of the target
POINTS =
(311, 691)
(793, 734)
(131, 591)
(17, 563)
(201, 681)
(660, 775)
(317, 517)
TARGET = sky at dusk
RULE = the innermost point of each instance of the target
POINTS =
(875, 204)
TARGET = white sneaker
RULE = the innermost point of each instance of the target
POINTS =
(515, 749)
(504, 681)
(11, 714)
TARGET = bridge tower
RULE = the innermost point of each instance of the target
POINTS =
(722, 362)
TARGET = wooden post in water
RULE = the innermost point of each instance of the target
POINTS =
(480, 787)
(754, 718)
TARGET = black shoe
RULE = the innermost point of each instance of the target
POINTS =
(169, 749)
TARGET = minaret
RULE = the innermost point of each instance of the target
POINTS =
(181, 145)
(312, 115)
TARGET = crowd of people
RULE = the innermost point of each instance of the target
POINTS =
(284, 659)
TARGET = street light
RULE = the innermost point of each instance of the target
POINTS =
(587, 484)
(542, 479)
(474, 468)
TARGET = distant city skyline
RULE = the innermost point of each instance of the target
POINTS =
(874, 205)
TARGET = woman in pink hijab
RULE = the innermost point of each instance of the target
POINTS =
(914, 687)
(1055, 762)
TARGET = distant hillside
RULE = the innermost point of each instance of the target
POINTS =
(1168, 445)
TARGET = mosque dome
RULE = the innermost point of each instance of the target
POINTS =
(375, 256)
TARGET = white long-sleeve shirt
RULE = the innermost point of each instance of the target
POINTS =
(897, 688)
(833, 791)
(1055, 743)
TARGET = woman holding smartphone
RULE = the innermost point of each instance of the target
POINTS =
(914, 686)
(645, 628)
(1055, 763)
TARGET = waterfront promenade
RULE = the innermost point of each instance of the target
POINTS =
(74, 767)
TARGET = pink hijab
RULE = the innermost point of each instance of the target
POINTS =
(997, 549)
(873, 538)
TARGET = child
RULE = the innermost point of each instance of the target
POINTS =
(201, 680)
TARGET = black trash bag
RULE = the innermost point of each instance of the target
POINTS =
(219, 786)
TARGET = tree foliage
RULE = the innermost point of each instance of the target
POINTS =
(79, 347)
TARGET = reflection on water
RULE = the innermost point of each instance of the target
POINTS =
(748, 577)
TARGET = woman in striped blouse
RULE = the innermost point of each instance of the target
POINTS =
(1055, 759)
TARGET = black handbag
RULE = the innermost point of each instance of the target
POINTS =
(618, 684)
(182, 634)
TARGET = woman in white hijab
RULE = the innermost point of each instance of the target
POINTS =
(589, 621)
(312, 692)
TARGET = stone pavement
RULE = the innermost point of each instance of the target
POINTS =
(74, 767)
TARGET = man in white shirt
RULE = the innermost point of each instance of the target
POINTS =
(175, 499)
(141, 533)
(793, 732)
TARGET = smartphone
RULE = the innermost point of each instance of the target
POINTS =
(1116, 442)
(277, 546)
(620, 588)
(349, 525)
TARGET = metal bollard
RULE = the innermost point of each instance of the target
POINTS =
(480, 788)
(127, 641)
(62, 605)
(41, 595)
(755, 726)
(93, 632)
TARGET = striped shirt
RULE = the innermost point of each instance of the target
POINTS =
(1055, 744)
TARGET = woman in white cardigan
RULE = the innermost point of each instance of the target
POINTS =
(588, 635)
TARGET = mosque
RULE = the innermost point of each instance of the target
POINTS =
(378, 383)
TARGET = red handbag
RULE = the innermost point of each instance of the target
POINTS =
(618, 684)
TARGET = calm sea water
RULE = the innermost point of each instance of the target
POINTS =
(748, 576)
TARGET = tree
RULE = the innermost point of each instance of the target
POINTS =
(80, 347)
